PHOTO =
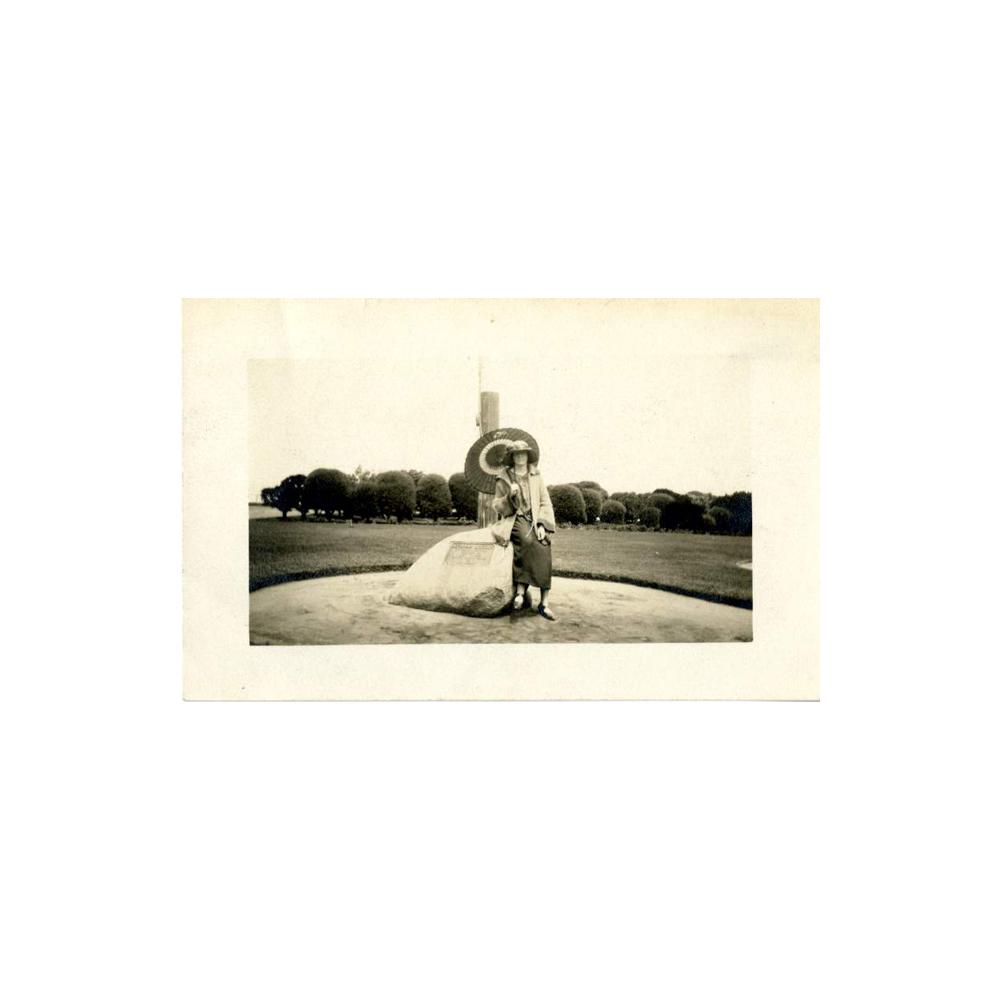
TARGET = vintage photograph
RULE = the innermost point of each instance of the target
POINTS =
(493, 499)
(412, 498)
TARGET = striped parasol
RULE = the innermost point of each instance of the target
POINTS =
(484, 460)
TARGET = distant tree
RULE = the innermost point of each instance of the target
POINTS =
(707, 521)
(433, 496)
(282, 499)
(592, 500)
(291, 494)
(416, 475)
(661, 501)
(669, 517)
(327, 491)
(568, 504)
(650, 516)
(300, 495)
(692, 516)
(464, 496)
(364, 502)
(589, 484)
(633, 504)
(722, 519)
(268, 495)
(740, 507)
(361, 474)
(397, 495)
(682, 515)
(613, 512)
(666, 492)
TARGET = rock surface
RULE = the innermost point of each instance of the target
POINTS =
(467, 573)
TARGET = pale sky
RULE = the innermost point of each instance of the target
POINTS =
(630, 423)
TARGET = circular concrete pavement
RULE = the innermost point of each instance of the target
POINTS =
(354, 609)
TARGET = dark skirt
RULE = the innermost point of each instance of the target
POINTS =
(532, 558)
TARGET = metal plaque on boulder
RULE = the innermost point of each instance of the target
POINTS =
(470, 553)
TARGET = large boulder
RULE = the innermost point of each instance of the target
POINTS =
(467, 573)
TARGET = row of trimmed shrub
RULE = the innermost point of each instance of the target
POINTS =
(330, 493)
(401, 496)
(588, 503)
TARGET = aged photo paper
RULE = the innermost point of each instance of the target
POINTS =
(344, 427)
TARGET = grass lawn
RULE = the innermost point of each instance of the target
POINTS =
(698, 565)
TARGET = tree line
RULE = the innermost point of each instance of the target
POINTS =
(666, 510)
(330, 493)
(402, 495)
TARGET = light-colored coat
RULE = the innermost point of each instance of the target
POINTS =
(538, 494)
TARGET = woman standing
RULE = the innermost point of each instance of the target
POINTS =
(522, 500)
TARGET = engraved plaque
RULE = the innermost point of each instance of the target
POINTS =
(469, 553)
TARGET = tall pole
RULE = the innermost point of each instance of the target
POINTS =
(489, 420)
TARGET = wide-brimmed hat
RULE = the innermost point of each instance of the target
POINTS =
(514, 447)
(487, 458)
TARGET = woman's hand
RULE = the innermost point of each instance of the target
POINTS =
(540, 532)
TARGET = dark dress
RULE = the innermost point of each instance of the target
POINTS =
(532, 558)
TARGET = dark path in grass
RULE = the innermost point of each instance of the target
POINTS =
(703, 566)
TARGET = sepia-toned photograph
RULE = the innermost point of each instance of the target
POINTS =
(492, 499)
(373, 487)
